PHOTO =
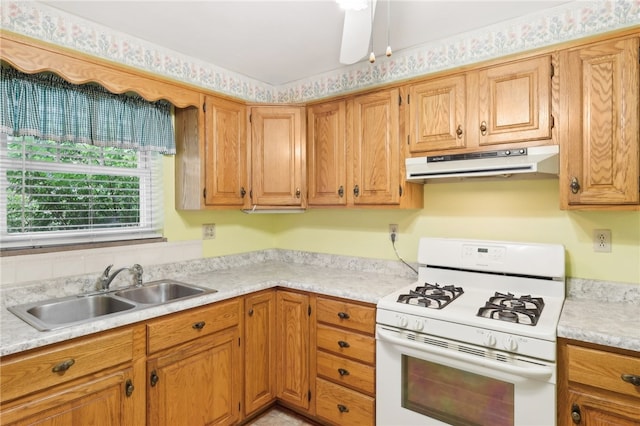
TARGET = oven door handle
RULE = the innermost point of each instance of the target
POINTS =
(533, 372)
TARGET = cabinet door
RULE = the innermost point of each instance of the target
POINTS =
(600, 146)
(278, 156)
(593, 409)
(437, 115)
(225, 153)
(197, 383)
(376, 148)
(293, 348)
(327, 154)
(260, 351)
(98, 401)
(514, 102)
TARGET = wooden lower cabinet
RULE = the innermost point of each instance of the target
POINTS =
(259, 350)
(199, 380)
(293, 318)
(596, 385)
(196, 384)
(91, 380)
(345, 362)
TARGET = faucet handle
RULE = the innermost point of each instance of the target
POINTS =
(107, 270)
(137, 270)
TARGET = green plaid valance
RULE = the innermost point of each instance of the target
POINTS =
(48, 107)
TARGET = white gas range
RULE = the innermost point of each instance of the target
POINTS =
(473, 341)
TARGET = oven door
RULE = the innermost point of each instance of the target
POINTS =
(425, 380)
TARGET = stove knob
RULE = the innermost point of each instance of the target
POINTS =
(419, 326)
(403, 322)
(489, 339)
(510, 344)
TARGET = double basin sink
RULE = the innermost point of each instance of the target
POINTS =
(53, 314)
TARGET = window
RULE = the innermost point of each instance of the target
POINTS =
(66, 192)
(78, 163)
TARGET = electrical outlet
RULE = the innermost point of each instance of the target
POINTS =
(209, 231)
(393, 230)
(602, 240)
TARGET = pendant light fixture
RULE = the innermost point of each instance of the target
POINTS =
(372, 56)
(388, 52)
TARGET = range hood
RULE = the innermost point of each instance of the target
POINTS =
(541, 160)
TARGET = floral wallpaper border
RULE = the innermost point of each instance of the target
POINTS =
(574, 20)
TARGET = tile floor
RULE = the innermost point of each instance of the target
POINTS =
(278, 416)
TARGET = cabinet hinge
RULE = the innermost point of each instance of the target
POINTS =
(400, 189)
(408, 139)
(309, 395)
(204, 193)
(250, 115)
(408, 99)
(309, 310)
(553, 71)
(399, 99)
(238, 341)
(204, 107)
(553, 122)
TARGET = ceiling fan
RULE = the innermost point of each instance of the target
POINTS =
(356, 34)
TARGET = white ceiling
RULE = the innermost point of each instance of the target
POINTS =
(278, 42)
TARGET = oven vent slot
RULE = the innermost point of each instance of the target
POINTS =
(472, 351)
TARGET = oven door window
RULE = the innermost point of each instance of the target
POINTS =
(455, 396)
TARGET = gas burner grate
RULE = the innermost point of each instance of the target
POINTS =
(432, 296)
(507, 307)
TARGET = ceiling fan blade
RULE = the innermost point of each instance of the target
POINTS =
(356, 34)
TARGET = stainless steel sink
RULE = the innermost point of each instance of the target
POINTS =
(53, 314)
(58, 313)
(162, 291)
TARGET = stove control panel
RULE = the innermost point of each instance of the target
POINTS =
(488, 255)
(478, 336)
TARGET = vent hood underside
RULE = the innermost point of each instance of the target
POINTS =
(541, 160)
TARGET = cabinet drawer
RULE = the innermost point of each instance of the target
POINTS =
(602, 369)
(192, 324)
(343, 406)
(347, 372)
(348, 315)
(48, 367)
(350, 344)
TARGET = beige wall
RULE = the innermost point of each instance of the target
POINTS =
(518, 210)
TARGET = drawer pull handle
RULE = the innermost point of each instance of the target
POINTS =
(153, 379)
(63, 366)
(128, 389)
(343, 408)
(343, 315)
(343, 344)
(343, 372)
(631, 378)
(199, 325)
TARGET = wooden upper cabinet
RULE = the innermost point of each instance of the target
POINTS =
(599, 148)
(326, 154)
(278, 156)
(514, 102)
(438, 114)
(225, 172)
(376, 148)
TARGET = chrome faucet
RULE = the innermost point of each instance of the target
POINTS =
(106, 278)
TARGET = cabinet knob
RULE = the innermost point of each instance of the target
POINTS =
(575, 185)
(631, 378)
(128, 388)
(343, 315)
(483, 128)
(576, 416)
(297, 192)
(251, 312)
(343, 344)
(243, 192)
(341, 191)
(63, 366)
(356, 190)
(153, 379)
(199, 325)
(459, 131)
(343, 372)
(343, 408)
